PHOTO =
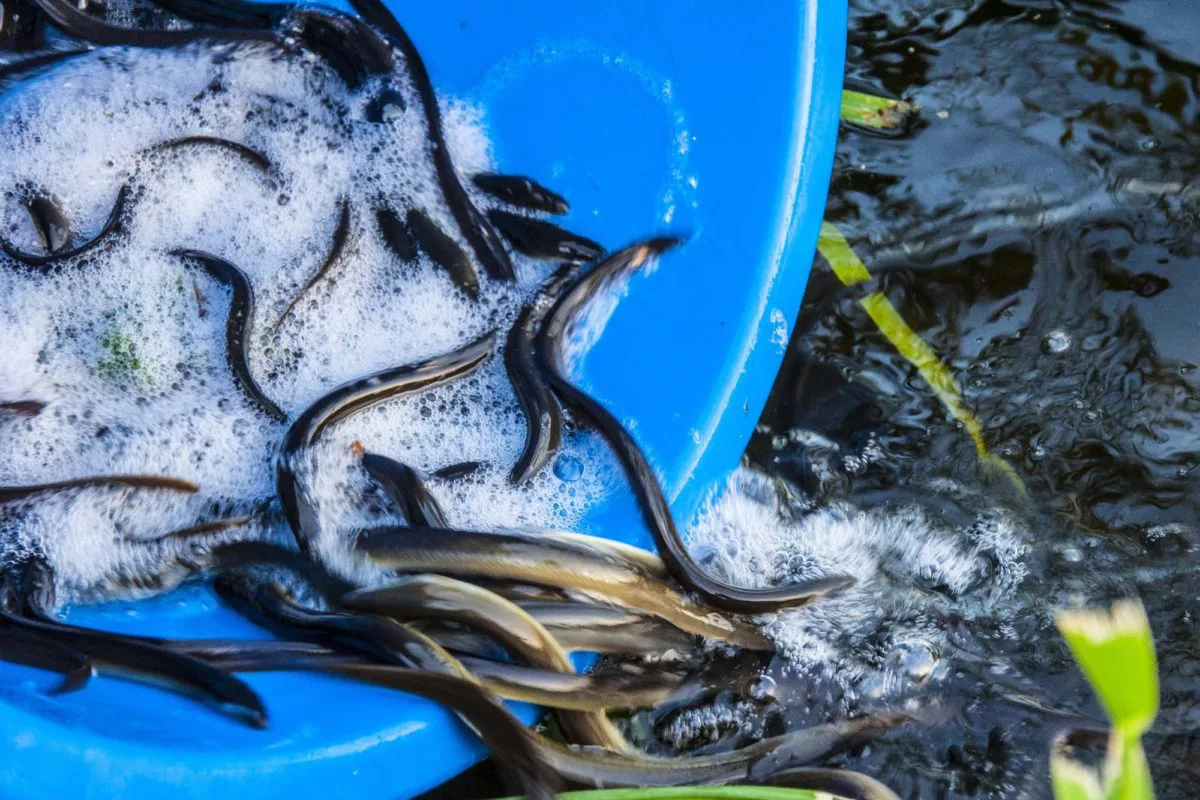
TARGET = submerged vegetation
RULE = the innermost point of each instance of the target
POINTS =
(851, 271)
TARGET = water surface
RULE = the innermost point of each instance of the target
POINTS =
(1040, 227)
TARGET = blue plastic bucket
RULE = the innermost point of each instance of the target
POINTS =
(718, 120)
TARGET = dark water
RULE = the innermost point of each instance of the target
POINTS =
(1039, 226)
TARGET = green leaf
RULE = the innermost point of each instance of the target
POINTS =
(1115, 650)
(875, 112)
(1127, 773)
(696, 793)
(851, 270)
(841, 256)
(1072, 780)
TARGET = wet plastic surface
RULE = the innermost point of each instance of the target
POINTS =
(709, 119)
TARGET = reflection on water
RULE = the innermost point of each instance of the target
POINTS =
(1040, 228)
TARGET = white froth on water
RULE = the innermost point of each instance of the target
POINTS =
(704, 725)
(126, 343)
(907, 565)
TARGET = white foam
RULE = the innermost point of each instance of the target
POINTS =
(906, 564)
(136, 379)
(126, 345)
(704, 725)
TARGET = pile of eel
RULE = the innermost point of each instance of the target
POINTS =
(465, 617)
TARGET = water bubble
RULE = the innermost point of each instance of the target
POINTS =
(914, 660)
(568, 468)
(1057, 341)
(1167, 539)
(1149, 144)
(872, 686)
(762, 690)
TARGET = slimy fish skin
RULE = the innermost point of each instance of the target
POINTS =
(42, 263)
(521, 191)
(341, 232)
(240, 322)
(420, 597)
(12, 494)
(266, 603)
(137, 660)
(443, 251)
(248, 154)
(50, 221)
(544, 240)
(543, 412)
(598, 571)
(655, 510)
(404, 487)
(344, 401)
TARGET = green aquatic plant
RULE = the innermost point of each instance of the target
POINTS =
(851, 271)
(790, 784)
(872, 111)
(697, 793)
(1115, 650)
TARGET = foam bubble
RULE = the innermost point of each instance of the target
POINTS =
(908, 565)
(126, 343)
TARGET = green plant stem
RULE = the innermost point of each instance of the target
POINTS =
(875, 112)
(693, 793)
